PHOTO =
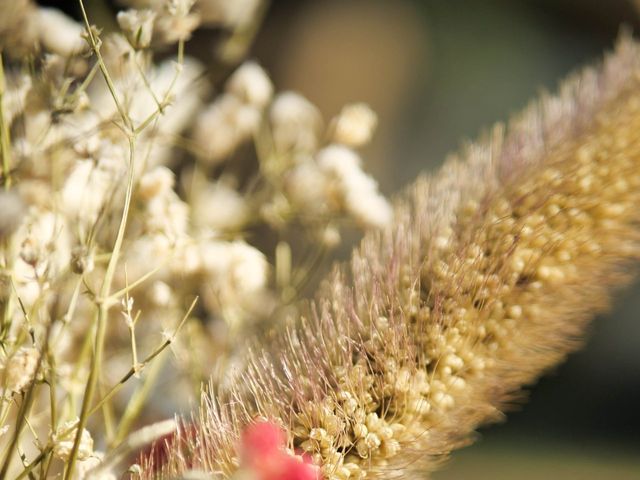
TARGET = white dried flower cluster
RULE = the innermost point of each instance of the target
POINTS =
(355, 125)
(235, 115)
(220, 208)
(296, 123)
(329, 180)
(63, 441)
(354, 189)
(176, 21)
(137, 25)
(112, 188)
(58, 33)
(21, 368)
(251, 84)
(319, 182)
(236, 273)
(161, 22)
(173, 20)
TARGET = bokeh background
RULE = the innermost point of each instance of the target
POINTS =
(438, 72)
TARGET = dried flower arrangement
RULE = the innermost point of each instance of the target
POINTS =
(119, 210)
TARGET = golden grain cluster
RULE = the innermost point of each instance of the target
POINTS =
(486, 279)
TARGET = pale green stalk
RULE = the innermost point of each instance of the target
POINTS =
(102, 314)
(5, 141)
(138, 400)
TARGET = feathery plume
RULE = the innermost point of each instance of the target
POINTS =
(486, 279)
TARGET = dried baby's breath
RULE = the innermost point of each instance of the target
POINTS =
(114, 147)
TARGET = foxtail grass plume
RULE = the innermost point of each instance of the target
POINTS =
(486, 279)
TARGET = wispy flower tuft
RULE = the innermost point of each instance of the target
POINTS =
(486, 279)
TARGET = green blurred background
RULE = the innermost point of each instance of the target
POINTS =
(438, 72)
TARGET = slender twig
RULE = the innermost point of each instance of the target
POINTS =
(158, 350)
(129, 287)
(95, 47)
(103, 307)
(137, 401)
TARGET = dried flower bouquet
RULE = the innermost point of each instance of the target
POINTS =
(118, 211)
